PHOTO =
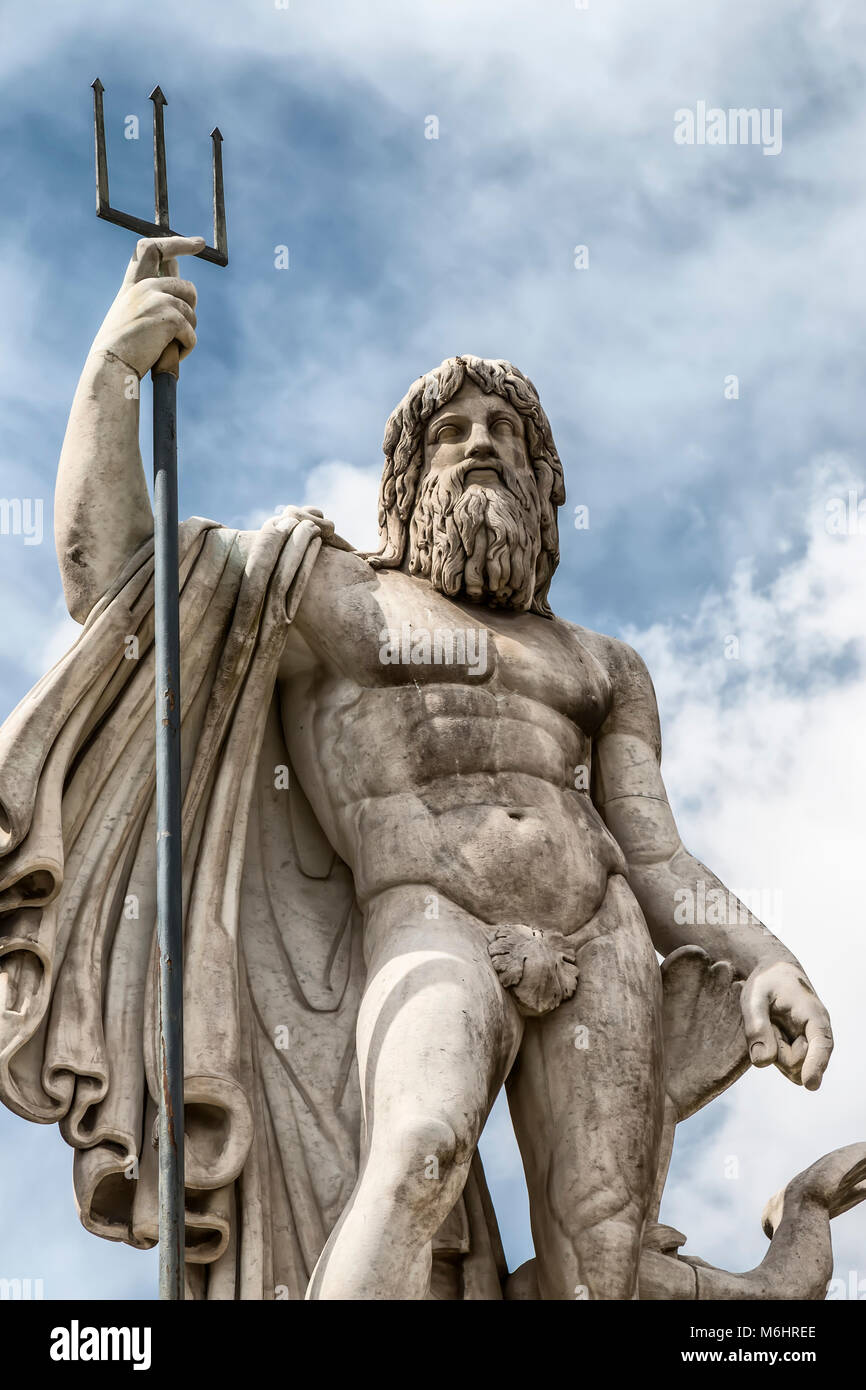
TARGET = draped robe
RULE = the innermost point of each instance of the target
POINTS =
(273, 962)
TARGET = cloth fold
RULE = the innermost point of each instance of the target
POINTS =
(273, 967)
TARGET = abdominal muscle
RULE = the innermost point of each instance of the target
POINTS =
(503, 859)
(464, 792)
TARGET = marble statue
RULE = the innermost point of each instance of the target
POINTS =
(427, 853)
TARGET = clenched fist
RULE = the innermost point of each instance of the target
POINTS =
(153, 307)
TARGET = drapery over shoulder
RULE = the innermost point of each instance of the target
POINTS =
(273, 968)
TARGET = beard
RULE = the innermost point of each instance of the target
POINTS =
(481, 541)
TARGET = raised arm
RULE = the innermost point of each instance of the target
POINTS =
(785, 1021)
(102, 511)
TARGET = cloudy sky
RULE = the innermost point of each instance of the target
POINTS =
(709, 498)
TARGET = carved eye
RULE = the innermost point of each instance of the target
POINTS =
(445, 434)
(503, 426)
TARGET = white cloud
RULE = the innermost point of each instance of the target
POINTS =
(346, 494)
(350, 497)
(769, 755)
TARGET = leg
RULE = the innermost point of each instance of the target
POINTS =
(436, 1036)
(586, 1098)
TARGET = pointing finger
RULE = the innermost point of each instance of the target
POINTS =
(153, 253)
(172, 247)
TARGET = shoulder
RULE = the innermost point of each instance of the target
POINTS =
(633, 704)
(339, 607)
(339, 570)
(622, 664)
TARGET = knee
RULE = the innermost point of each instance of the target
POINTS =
(427, 1146)
(420, 1161)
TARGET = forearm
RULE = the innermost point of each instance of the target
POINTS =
(102, 511)
(684, 904)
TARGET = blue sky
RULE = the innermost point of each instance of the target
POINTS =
(555, 129)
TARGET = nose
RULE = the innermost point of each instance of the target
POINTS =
(481, 444)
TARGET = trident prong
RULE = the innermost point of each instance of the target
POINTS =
(218, 253)
(160, 180)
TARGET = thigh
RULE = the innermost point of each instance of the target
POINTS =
(436, 1032)
(586, 1094)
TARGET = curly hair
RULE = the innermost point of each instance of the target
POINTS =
(404, 457)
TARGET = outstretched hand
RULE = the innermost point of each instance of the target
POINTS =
(786, 1023)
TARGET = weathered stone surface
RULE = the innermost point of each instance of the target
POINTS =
(428, 852)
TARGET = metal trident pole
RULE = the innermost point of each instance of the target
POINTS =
(167, 647)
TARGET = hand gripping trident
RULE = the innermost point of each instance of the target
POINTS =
(168, 694)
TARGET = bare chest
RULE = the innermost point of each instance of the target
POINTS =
(397, 632)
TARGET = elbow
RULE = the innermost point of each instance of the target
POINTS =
(79, 602)
(89, 566)
(644, 829)
(79, 590)
(73, 546)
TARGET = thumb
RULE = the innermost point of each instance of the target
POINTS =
(760, 1034)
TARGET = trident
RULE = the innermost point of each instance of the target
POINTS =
(169, 897)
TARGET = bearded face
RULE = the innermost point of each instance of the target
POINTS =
(476, 526)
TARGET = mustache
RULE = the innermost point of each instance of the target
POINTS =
(449, 485)
(493, 464)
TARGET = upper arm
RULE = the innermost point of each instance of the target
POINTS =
(627, 783)
(335, 619)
